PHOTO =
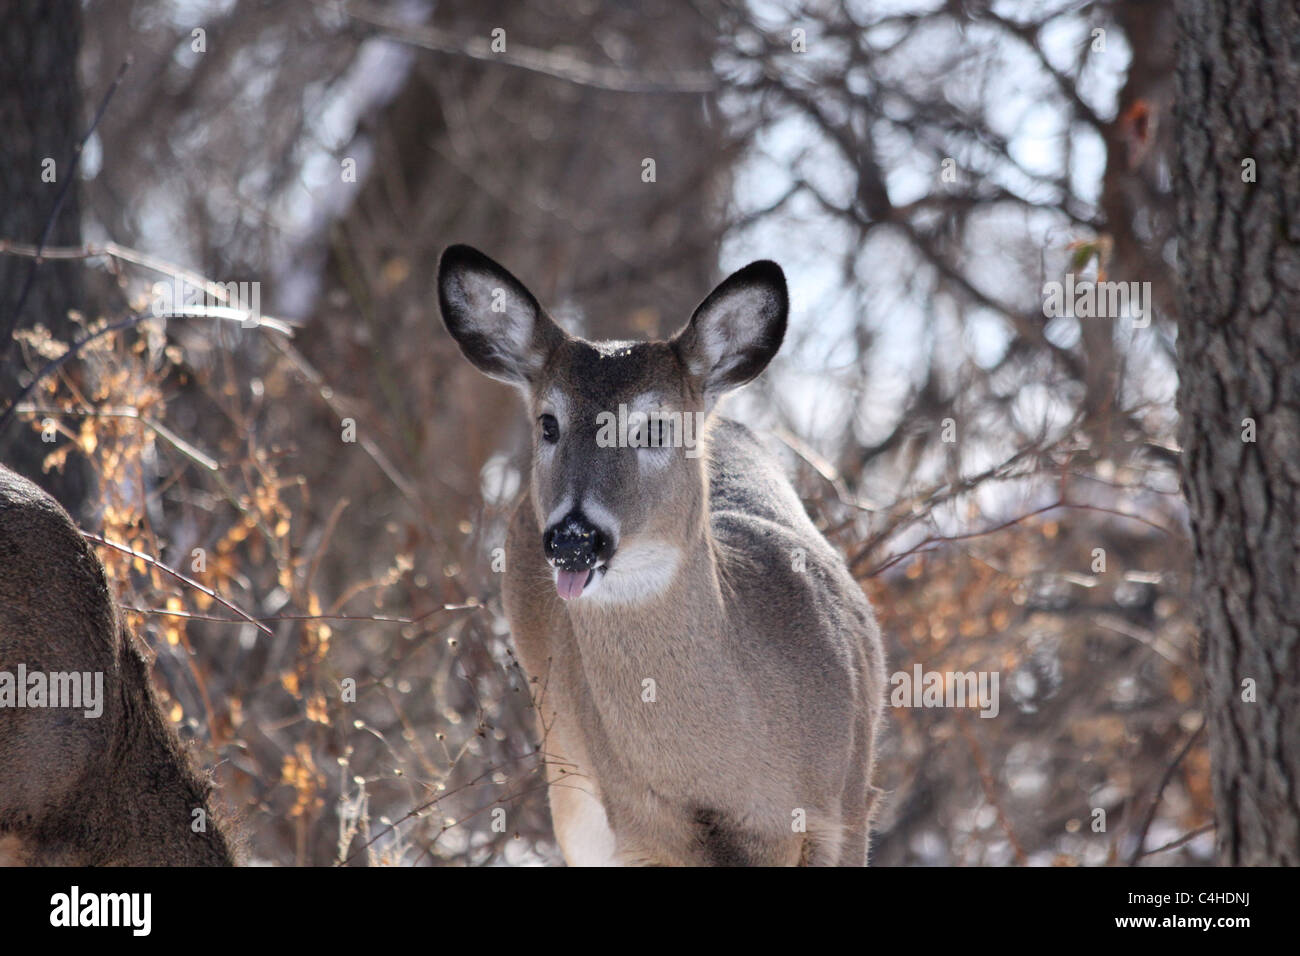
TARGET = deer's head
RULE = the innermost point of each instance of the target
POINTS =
(618, 480)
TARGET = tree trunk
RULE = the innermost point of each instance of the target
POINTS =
(1239, 338)
(40, 122)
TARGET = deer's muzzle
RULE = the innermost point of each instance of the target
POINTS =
(575, 547)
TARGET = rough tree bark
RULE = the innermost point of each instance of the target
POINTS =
(1239, 338)
(40, 120)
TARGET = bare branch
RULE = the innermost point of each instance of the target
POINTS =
(561, 67)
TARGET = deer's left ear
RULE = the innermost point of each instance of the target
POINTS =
(737, 330)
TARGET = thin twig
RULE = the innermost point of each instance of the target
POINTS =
(55, 364)
(581, 72)
(98, 539)
(207, 462)
(210, 287)
(1160, 790)
(373, 619)
(1184, 839)
(925, 545)
(990, 789)
(190, 312)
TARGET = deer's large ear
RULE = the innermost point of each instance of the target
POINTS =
(495, 320)
(736, 330)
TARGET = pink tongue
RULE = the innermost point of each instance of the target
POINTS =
(569, 584)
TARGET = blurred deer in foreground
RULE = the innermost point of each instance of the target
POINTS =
(103, 782)
(709, 676)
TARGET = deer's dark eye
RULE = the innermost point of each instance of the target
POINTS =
(550, 429)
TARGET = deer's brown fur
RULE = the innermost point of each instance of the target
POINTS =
(117, 789)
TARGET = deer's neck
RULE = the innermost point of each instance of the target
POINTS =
(677, 616)
(653, 669)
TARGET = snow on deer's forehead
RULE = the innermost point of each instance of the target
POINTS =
(618, 349)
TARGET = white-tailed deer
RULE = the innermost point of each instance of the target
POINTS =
(91, 772)
(709, 675)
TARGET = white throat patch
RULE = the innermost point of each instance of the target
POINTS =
(638, 572)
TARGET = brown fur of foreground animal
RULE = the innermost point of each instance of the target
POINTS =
(114, 789)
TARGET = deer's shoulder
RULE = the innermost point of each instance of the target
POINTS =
(769, 546)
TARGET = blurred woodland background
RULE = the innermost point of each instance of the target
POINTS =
(1005, 484)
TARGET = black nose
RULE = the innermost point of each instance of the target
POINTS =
(574, 544)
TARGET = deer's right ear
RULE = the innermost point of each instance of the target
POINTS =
(495, 320)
